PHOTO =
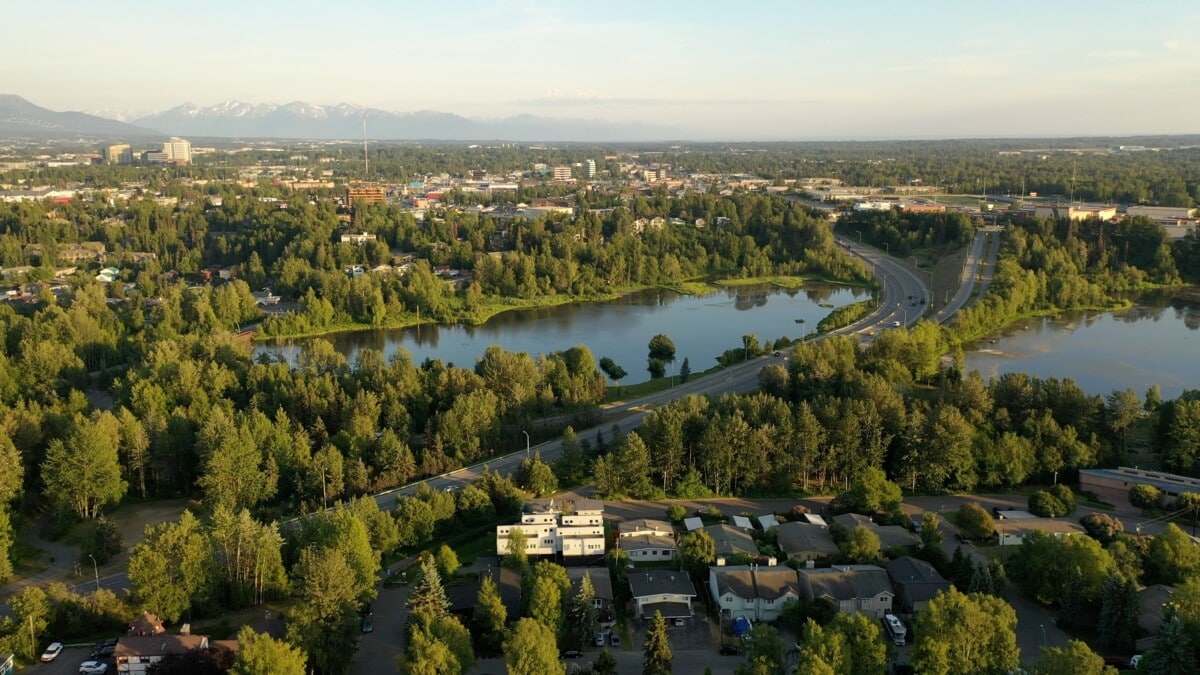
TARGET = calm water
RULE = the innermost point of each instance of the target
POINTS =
(701, 327)
(1157, 341)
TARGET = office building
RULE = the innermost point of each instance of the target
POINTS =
(570, 529)
(562, 173)
(178, 151)
(118, 154)
(589, 168)
(365, 193)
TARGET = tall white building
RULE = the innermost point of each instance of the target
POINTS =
(589, 168)
(178, 150)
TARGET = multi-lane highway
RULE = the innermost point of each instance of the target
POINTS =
(978, 267)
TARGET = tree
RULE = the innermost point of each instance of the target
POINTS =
(324, 621)
(1118, 624)
(965, 634)
(685, 370)
(83, 472)
(532, 649)
(1145, 496)
(872, 493)
(931, 531)
(605, 664)
(261, 654)
(515, 555)
(1102, 527)
(657, 368)
(449, 631)
(697, 551)
(31, 611)
(765, 653)
(656, 652)
(612, 370)
(584, 621)
(1046, 567)
(1173, 652)
(1043, 503)
(537, 476)
(447, 562)
(170, 570)
(1172, 556)
(1074, 659)
(427, 602)
(974, 522)
(6, 544)
(862, 547)
(427, 655)
(490, 615)
(546, 603)
(676, 513)
(662, 349)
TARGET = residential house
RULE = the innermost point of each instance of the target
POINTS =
(357, 238)
(667, 591)
(108, 275)
(1152, 603)
(644, 527)
(137, 654)
(601, 583)
(730, 540)
(1011, 532)
(647, 540)
(890, 536)
(804, 541)
(570, 529)
(146, 624)
(915, 582)
(753, 591)
(265, 297)
(862, 589)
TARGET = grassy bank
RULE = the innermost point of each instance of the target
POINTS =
(616, 394)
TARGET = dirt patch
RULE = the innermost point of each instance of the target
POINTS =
(132, 520)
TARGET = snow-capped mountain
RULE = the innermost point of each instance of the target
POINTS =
(300, 119)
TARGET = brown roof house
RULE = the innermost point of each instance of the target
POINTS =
(805, 541)
(137, 654)
(863, 589)
(756, 592)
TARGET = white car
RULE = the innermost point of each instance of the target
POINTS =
(52, 651)
(93, 668)
(895, 324)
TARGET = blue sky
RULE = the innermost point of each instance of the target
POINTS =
(785, 70)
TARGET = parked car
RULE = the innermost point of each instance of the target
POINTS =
(895, 324)
(93, 668)
(52, 651)
(367, 624)
(571, 653)
(616, 640)
(103, 651)
(678, 621)
(729, 650)
(601, 639)
(916, 526)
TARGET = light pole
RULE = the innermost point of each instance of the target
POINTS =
(1043, 627)
(95, 570)
(526, 442)
(886, 249)
(859, 233)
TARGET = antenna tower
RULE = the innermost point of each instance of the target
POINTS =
(366, 159)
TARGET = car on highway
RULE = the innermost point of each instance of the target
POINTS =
(52, 651)
(93, 668)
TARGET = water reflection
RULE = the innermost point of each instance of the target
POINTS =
(1153, 342)
(702, 327)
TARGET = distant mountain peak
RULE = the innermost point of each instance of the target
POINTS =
(21, 118)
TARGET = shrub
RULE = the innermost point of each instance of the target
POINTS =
(1144, 496)
(676, 513)
(1046, 505)
(1102, 527)
(974, 522)
(1065, 496)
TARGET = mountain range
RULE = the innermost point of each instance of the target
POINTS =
(300, 120)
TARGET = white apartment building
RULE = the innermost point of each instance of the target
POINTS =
(570, 529)
(589, 168)
(178, 150)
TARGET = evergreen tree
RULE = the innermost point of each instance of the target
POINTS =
(605, 664)
(1118, 614)
(6, 543)
(490, 615)
(656, 652)
(427, 602)
(999, 578)
(1073, 603)
(685, 370)
(583, 618)
(1173, 652)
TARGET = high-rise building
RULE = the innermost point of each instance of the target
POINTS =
(118, 154)
(178, 150)
(589, 168)
(562, 173)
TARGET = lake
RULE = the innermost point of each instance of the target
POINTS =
(702, 327)
(1157, 341)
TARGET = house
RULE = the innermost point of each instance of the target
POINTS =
(137, 654)
(1011, 532)
(915, 582)
(804, 541)
(108, 275)
(570, 529)
(667, 591)
(862, 589)
(890, 536)
(752, 591)
(146, 624)
(601, 583)
(768, 521)
(742, 522)
(1152, 601)
(265, 297)
(649, 548)
(644, 527)
(357, 238)
(813, 518)
(693, 523)
(731, 540)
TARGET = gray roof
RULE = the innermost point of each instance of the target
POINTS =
(646, 542)
(755, 581)
(1167, 482)
(920, 581)
(729, 540)
(644, 524)
(805, 538)
(601, 581)
(889, 535)
(1151, 600)
(660, 582)
(845, 582)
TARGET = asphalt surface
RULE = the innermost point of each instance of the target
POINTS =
(977, 271)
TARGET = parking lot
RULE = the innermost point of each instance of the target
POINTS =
(67, 662)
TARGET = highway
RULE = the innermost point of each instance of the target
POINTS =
(977, 268)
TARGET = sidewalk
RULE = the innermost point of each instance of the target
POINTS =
(61, 557)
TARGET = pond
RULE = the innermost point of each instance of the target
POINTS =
(702, 327)
(1157, 341)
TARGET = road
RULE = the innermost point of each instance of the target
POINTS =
(900, 289)
(977, 269)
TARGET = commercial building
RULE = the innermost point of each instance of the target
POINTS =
(557, 527)
(177, 151)
(117, 154)
(562, 173)
(1113, 485)
(1073, 212)
(589, 168)
(365, 193)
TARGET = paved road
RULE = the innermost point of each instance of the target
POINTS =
(976, 268)
(899, 288)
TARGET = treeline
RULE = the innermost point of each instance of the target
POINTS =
(901, 233)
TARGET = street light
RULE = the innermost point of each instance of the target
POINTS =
(1043, 626)
(526, 442)
(886, 249)
(859, 233)
(95, 570)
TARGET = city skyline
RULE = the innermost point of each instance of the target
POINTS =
(777, 71)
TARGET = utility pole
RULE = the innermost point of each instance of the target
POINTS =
(95, 570)
(526, 442)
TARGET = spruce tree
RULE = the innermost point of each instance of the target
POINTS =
(583, 618)
(656, 653)
(427, 602)
(1118, 614)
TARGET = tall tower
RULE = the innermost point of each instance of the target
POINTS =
(366, 158)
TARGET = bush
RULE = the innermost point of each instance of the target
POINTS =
(974, 522)
(1046, 505)
(1144, 496)
(1101, 527)
(1065, 496)
(676, 513)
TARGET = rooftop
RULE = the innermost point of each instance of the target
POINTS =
(846, 582)
(660, 582)
(799, 538)
(729, 540)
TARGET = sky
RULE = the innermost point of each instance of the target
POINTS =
(710, 70)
